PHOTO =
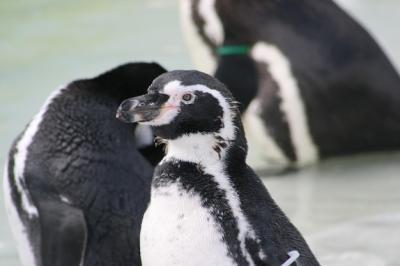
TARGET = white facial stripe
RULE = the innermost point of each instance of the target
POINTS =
(24, 248)
(200, 52)
(171, 108)
(175, 88)
(292, 105)
(213, 25)
(22, 152)
(168, 112)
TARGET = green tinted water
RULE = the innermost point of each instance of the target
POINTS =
(44, 44)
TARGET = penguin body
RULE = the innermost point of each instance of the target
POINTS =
(76, 184)
(207, 205)
(179, 205)
(313, 82)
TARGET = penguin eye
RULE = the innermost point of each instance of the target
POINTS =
(188, 98)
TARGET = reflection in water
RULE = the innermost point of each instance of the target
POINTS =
(348, 209)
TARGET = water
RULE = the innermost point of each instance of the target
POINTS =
(348, 209)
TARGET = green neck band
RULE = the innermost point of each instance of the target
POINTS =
(233, 50)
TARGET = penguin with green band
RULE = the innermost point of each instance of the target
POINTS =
(312, 82)
(233, 50)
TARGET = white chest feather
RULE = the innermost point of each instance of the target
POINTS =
(178, 230)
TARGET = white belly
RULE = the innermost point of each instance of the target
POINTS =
(178, 230)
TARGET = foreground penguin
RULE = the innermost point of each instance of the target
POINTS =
(313, 82)
(76, 186)
(207, 206)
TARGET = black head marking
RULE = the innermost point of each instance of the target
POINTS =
(205, 115)
(190, 78)
(210, 109)
(179, 103)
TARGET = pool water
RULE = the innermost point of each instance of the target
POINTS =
(348, 209)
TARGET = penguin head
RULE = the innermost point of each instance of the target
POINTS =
(231, 24)
(126, 80)
(182, 103)
(109, 89)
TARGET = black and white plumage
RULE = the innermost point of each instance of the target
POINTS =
(207, 205)
(76, 185)
(314, 83)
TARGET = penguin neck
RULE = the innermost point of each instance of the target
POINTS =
(196, 148)
(240, 74)
(207, 150)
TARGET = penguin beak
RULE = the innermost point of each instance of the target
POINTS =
(142, 108)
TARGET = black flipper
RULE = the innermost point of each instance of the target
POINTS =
(63, 234)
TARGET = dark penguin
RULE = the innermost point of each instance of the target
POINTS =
(313, 82)
(207, 205)
(76, 185)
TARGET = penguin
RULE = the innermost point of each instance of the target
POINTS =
(76, 184)
(312, 82)
(207, 207)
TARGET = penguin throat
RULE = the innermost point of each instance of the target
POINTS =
(198, 148)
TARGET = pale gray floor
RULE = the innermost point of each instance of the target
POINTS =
(348, 209)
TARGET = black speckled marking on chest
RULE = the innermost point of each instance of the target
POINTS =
(213, 198)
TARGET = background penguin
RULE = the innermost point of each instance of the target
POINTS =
(76, 185)
(314, 83)
(207, 206)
